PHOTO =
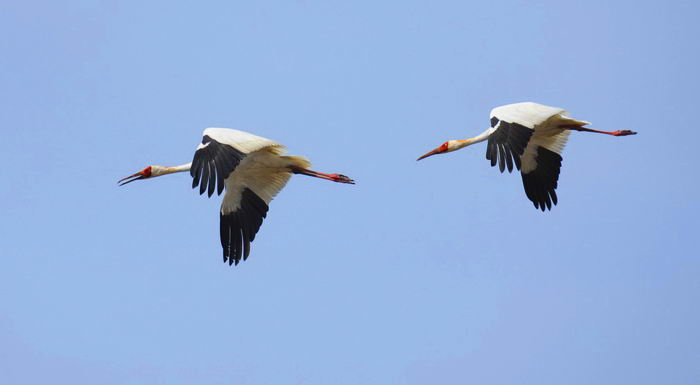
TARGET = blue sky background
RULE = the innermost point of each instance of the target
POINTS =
(438, 272)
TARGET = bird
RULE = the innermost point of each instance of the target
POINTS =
(530, 137)
(251, 169)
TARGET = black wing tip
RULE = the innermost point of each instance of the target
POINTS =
(232, 260)
(542, 200)
(542, 205)
(209, 193)
(541, 183)
(239, 227)
(507, 144)
(212, 164)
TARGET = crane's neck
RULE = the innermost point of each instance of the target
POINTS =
(461, 143)
(160, 170)
(481, 137)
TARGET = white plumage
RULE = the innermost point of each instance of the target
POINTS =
(241, 140)
(531, 137)
(263, 171)
(251, 169)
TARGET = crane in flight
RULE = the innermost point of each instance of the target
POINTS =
(531, 137)
(251, 169)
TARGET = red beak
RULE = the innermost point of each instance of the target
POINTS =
(131, 178)
(438, 150)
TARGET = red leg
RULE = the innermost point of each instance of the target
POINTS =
(340, 178)
(584, 129)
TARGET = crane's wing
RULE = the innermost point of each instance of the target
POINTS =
(512, 127)
(238, 225)
(507, 143)
(249, 190)
(220, 152)
(541, 164)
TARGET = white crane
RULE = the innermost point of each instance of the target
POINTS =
(252, 169)
(530, 136)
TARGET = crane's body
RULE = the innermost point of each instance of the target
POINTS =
(529, 137)
(251, 169)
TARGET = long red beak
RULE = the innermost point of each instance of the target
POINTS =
(131, 178)
(438, 150)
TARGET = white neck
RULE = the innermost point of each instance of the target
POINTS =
(481, 137)
(160, 170)
(459, 144)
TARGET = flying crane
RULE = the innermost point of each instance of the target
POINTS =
(530, 137)
(251, 169)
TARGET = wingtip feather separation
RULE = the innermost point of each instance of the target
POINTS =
(238, 228)
(540, 184)
(212, 164)
(507, 144)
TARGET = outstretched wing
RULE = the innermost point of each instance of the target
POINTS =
(541, 182)
(249, 190)
(507, 143)
(220, 152)
(213, 161)
(513, 126)
(238, 227)
(529, 136)
(541, 166)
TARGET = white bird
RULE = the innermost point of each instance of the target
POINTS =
(252, 169)
(530, 136)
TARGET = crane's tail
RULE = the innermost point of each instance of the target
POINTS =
(298, 161)
(567, 121)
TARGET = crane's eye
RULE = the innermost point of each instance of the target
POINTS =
(146, 172)
(444, 147)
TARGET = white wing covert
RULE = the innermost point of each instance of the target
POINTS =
(249, 190)
(220, 152)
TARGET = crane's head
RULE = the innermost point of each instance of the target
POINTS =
(449, 146)
(146, 173)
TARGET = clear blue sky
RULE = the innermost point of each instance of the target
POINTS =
(432, 272)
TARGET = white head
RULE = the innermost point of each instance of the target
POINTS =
(148, 172)
(449, 146)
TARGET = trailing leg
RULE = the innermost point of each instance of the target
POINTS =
(584, 129)
(340, 178)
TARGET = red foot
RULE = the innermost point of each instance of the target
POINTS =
(624, 133)
(340, 178)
